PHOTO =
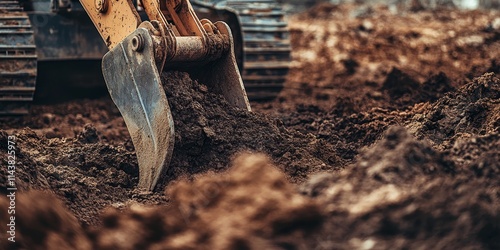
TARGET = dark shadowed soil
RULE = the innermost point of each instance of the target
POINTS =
(207, 127)
(386, 136)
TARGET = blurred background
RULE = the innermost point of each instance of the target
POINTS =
(398, 5)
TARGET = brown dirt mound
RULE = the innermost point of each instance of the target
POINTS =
(208, 131)
(252, 206)
(401, 91)
(347, 51)
(348, 133)
(400, 193)
(478, 153)
(43, 222)
(403, 194)
(90, 174)
(473, 109)
(66, 120)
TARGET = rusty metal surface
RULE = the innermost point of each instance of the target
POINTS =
(209, 46)
(184, 18)
(134, 84)
(153, 10)
(229, 16)
(119, 19)
(222, 75)
(18, 60)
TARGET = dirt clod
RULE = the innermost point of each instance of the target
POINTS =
(88, 135)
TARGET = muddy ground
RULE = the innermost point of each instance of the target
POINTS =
(386, 136)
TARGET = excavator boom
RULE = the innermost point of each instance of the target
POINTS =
(173, 38)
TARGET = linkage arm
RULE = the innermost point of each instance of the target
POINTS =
(114, 20)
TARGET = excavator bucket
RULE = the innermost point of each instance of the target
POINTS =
(134, 84)
(139, 52)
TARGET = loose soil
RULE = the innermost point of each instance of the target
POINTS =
(386, 136)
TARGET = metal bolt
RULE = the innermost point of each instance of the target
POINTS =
(101, 5)
(138, 43)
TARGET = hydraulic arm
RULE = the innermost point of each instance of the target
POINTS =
(173, 38)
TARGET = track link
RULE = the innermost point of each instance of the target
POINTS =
(18, 59)
(266, 47)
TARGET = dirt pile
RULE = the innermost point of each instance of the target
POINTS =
(43, 222)
(252, 206)
(403, 194)
(347, 51)
(478, 153)
(370, 40)
(90, 174)
(208, 131)
(66, 120)
(347, 132)
(471, 110)
(401, 91)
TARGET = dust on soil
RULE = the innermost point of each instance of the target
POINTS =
(388, 113)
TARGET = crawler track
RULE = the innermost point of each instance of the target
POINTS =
(18, 59)
(266, 47)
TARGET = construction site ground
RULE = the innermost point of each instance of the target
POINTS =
(386, 136)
